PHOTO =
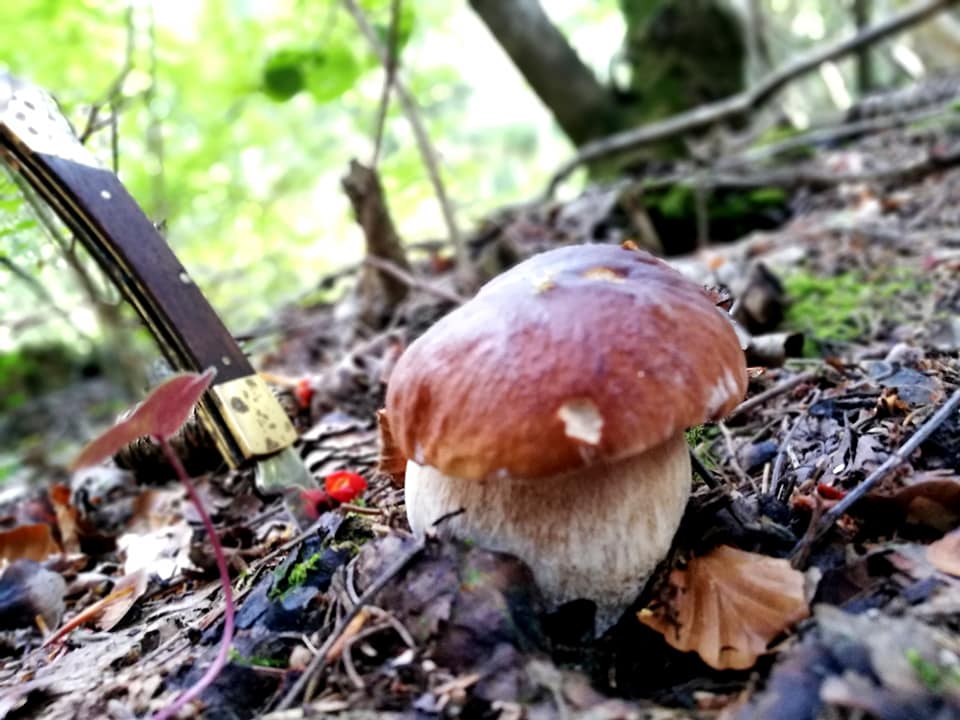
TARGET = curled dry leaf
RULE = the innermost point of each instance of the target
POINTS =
(59, 495)
(106, 612)
(28, 542)
(944, 554)
(728, 606)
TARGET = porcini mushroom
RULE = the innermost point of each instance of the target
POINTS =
(551, 410)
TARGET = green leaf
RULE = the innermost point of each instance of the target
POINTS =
(283, 74)
(331, 71)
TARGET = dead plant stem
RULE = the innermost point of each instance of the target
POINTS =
(412, 281)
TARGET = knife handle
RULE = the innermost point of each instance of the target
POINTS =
(240, 411)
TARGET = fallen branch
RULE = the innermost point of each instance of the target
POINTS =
(778, 389)
(412, 281)
(739, 104)
(902, 454)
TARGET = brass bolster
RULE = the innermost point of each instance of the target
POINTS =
(256, 421)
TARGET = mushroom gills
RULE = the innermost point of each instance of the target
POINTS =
(597, 532)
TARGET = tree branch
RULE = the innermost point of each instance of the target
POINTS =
(738, 104)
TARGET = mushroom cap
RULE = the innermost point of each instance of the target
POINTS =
(582, 354)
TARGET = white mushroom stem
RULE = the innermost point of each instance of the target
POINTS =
(594, 533)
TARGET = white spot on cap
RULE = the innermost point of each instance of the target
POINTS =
(581, 421)
(725, 388)
(603, 273)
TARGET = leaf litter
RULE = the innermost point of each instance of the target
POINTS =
(446, 629)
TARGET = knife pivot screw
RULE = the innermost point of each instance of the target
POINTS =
(105, 194)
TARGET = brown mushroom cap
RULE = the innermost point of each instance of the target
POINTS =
(579, 354)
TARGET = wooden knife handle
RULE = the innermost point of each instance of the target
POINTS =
(38, 143)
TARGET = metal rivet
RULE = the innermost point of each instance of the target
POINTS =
(184, 278)
(105, 194)
(225, 360)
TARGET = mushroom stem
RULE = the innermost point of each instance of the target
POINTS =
(594, 533)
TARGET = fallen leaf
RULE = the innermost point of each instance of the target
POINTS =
(108, 610)
(933, 502)
(66, 517)
(28, 542)
(944, 554)
(728, 606)
(117, 604)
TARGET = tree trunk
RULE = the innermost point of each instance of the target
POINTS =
(583, 107)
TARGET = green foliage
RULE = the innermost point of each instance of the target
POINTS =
(325, 72)
(32, 369)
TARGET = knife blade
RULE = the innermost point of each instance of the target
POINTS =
(242, 415)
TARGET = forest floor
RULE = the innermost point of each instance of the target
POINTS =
(867, 269)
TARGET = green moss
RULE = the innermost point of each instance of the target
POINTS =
(298, 573)
(255, 661)
(934, 676)
(834, 310)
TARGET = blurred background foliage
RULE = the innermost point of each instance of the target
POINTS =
(237, 119)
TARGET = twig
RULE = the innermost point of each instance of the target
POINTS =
(390, 71)
(747, 100)
(832, 133)
(413, 282)
(777, 475)
(734, 461)
(427, 152)
(320, 659)
(93, 123)
(770, 393)
(700, 469)
(900, 456)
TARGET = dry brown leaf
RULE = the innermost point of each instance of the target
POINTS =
(944, 554)
(59, 495)
(728, 606)
(106, 612)
(934, 502)
(28, 542)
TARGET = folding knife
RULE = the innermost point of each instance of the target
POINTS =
(245, 420)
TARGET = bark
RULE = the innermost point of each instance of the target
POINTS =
(583, 107)
(379, 292)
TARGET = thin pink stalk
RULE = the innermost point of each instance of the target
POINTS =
(227, 637)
